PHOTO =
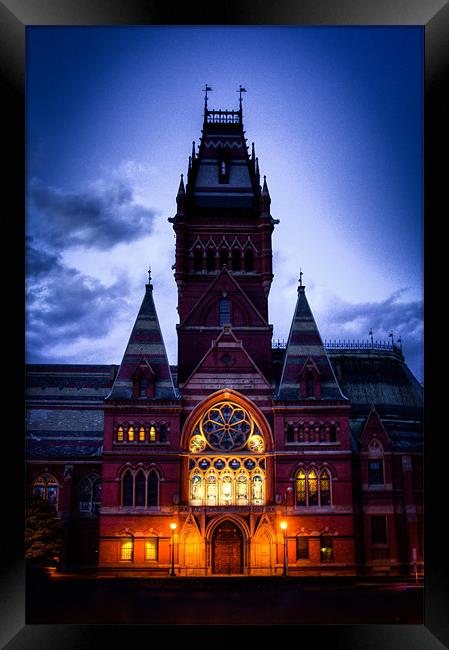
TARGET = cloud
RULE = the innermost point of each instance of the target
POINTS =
(105, 213)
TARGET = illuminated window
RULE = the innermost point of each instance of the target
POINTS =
(325, 488)
(47, 487)
(242, 489)
(257, 490)
(226, 496)
(120, 434)
(301, 488)
(152, 434)
(312, 486)
(131, 434)
(326, 549)
(211, 490)
(127, 548)
(196, 489)
(151, 548)
(89, 492)
(152, 489)
(142, 434)
(127, 489)
(225, 312)
(375, 472)
(302, 548)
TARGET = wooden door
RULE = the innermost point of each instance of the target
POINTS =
(227, 549)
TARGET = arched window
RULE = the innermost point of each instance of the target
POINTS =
(47, 487)
(141, 434)
(198, 261)
(127, 488)
(333, 433)
(290, 433)
(152, 434)
(153, 490)
(89, 493)
(210, 260)
(196, 489)
(224, 256)
(211, 490)
(226, 496)
(301, 488)
(312, 488)
(242, 489)
(140, 489)
(225, 312)
(131, 434)
(151, 548)
(236, 259)
(120, 434)
(163, 433)
(257, 490)
(249, 260)
(325, 488)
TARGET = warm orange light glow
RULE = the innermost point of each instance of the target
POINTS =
(283, 525)
(173, 526)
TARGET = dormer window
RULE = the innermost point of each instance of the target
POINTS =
(309, 384)
(143, 386)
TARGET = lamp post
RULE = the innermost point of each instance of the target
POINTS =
(283, 525)
(173, 526)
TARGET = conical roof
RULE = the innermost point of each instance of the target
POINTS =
(305, 346)
(145, 345)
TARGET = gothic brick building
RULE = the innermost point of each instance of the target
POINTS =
(244, 459)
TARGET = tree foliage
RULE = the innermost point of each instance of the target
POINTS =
(43, 532)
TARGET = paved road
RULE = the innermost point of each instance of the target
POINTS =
(268, 601)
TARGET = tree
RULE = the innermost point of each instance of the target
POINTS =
(43, 533)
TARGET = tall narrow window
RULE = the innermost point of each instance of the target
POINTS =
(375, 472)
(140, 489)
(309, 384)
(242, 490)
(143, 386)
(249, 260)
(378, 529)
(257, 489)
(152, 434)
(301, 488)
(210, 260)
(151, 548)
(225, 312)
(236, 260)
(198, 261)
(325, 488)
(153, 490)
(223, 171)
(224, 256)
(333, 433)
(47, 487)
(312, 485)
(326, 549)
(302, 548)
(290, 433)
(96, 504)
(127, 548)
(120, 434)
(162, 433)
(226, 490)
(211, 490)
(131, 434)
(142, 434)
(196, 490)
(86, 493)
(127, 486)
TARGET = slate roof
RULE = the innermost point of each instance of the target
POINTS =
(304, 343)
(145, 344)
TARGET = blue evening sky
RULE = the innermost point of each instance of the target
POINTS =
(336, 117)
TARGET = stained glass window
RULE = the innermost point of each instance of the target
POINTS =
(126, 551)
(301, 488)
(325, 488)
(211, 490)
(89, 491)
(47, 487)
(196, 489)
(226, 490)
(151, 548)
(312, 484)
(242, 489)
(257, 490)
(225, 309)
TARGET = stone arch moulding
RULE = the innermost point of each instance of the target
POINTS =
(238, 398)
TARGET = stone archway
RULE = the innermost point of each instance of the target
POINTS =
(227, 548)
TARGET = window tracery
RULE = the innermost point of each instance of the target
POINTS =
(313, 487)
(89, 492)
(47, 487)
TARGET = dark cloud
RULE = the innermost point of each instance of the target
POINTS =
(102, 215)
(404, 319)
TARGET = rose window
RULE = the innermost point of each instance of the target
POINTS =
(226, 426)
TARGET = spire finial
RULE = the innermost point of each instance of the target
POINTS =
(300, 277)
(206, 90)
(240, 91)
(149, 274)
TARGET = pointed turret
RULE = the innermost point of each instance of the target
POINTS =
(307, 372)
(181, 195)
(145, 348)
(265, 199)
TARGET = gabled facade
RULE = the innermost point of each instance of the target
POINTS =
(195, 468)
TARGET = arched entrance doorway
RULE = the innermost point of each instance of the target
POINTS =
(227, 549)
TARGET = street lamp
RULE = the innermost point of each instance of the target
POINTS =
(173, 526)
(283, 525)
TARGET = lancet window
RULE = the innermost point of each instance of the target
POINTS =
(313, 487)
(89, 493)
(47, 487)
(140, 488)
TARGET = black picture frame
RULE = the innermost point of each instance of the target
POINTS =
(433, 16)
